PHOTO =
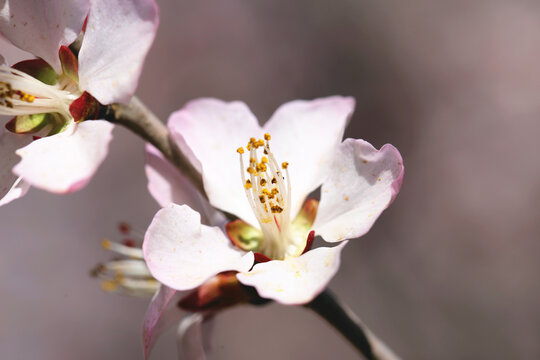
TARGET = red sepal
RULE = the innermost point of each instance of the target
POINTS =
(260, 258)
(70, 64)
(39, 69)
(222, 291)
(309, 242)
(85, 107)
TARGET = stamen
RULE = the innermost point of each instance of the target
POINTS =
(270, 205)
(122, 249)
(22, 94)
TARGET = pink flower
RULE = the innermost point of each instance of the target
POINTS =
(266, 186)
(51, 95)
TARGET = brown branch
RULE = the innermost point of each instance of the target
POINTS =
(138, 118)
(349, 325)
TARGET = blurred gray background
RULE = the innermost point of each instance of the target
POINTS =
(450, 271)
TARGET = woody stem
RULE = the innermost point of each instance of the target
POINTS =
(341, 317)
(138, 118)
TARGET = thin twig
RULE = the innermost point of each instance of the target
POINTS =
(351, 327)
(138, 118)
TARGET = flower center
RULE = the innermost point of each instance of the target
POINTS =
(22, 94)
(269, 193)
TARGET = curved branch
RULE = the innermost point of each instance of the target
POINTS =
(138, 118)
(351, 327)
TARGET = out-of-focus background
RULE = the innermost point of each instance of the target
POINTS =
(450, 270)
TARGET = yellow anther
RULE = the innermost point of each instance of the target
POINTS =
(275, 191)
(267, 136)
(109, 285)
(262, 199)
(252, 160)
(276, 209)
(265, 191)
(240, 150)
(248, 146)
(248, 184)
(284, 165)
(106, 244)
(274, 181)
(263, 182)
(264, 159)
(261, 167)
(250, 170)
(259, 142)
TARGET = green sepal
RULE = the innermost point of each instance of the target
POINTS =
(243, 235)
(39, 69)
(305, 218)
(58, 123)
(27, 124)
(70, 64)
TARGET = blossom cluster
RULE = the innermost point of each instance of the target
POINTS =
(250, 236)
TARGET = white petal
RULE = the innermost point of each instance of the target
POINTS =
(210, 131)
(65, 162)
(118, 35)
(41, 27)
(10, 185)
(296, 280)
(167, 185)
(182, 254)
(305, 134)
(363, 182)
(158, 317)
(193, 336)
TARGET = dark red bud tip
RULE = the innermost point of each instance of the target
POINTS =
(309, 241)
(260, 258)
(129, 242)
(124, 228)
(36, 137)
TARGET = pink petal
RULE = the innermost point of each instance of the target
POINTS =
(167, 185)
(296, 280)
(210, 131)
(154, 320)
(306, 134)
(65, 162)
(193, 336)
(118, 35)
(362, 183)
(41, 27)
(182, 254)
(11, 187)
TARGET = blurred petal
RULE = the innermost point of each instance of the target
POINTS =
(118, 35)
(193, 336)
(18, 190)
(306, 134)
(362, 183)
(41, 27)
(154, 322)
(210, 131)
(182, 254)
(11, 187)
(65, 162)
(167, 185)
(295, 280)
